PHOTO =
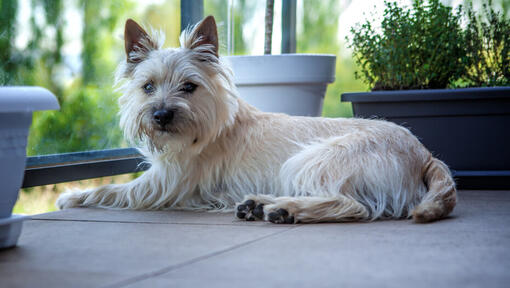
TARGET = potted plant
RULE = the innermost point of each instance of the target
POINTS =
(16, 106)
(457, 115)
(294, 84)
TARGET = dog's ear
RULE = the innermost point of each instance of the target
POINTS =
(137, 42)
(205, 33)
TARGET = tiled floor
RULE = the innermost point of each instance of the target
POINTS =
(99, 248)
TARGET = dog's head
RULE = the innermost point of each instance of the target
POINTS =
(175, 98)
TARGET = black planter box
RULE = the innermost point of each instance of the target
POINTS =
(469, 128)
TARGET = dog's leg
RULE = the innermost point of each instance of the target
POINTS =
(145, 192)
(311, 209)
(304, 209)
(104, 196)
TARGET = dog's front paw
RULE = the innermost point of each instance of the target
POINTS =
(250, 210)
(69, 199)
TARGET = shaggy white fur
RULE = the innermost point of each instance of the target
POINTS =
(218, 150)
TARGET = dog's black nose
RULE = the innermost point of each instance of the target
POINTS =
(163, 117)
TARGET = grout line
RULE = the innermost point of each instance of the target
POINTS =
(241, 223)
(173, 267)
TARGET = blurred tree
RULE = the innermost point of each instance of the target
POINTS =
(100, 20)
(318, 28)
(167, 17)
(88, 116)
(86, 121)
(242, 11)
(317, 33)
(52, 57)
(8, 68)
(37, 63)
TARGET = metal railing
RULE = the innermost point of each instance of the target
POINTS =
(58, 168)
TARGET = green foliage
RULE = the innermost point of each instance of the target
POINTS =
(317, 33)
(344, 82)
(87, 120)
(167, 17)
(243, 11)
(426, 47)
(101, 18)
(488, 46)
(8, 10)
(418, 48)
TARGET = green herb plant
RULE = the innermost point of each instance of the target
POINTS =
(487, 42)
(428, 47)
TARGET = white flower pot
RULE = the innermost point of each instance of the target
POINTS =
(16, 106)
(294, 84)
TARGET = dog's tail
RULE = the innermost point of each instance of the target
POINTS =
(441, 197)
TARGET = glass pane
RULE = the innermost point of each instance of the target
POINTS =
(72, 48)
(240, 25)
(320, 27)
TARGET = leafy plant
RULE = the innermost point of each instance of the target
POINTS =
(87, 120)
(488, 47)
(417, 48)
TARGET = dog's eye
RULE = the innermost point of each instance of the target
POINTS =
(188, 87)
(148, 87)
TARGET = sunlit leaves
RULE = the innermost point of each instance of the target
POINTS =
(425, 46)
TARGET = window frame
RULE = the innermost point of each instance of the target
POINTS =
(66, 167)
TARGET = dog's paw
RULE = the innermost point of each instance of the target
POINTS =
(69, 199)
(279, 216)
(250, 210)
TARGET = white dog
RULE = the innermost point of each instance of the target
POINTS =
(208, 149)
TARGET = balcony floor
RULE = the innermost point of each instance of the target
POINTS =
(100, 248)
